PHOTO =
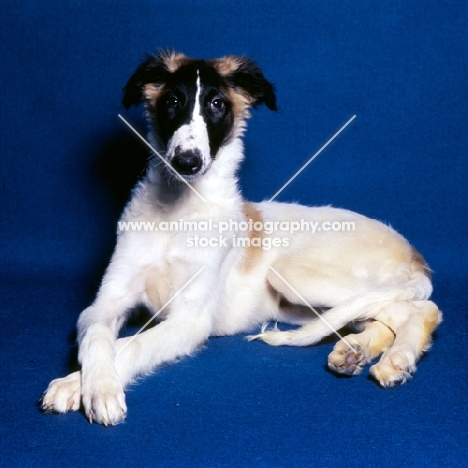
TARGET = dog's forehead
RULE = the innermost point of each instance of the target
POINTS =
(194, 72)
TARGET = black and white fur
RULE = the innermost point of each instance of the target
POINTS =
(197, 110)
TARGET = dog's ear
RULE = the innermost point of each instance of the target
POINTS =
(152, 70)
(244, 75)
(151, 76)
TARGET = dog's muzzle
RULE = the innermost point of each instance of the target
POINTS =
(187, 162)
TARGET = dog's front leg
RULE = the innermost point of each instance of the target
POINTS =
(182, 333)
(187, 326)
(102, 392)
(97, 385)
(108, 365)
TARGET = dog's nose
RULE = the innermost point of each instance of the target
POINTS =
(187, 163)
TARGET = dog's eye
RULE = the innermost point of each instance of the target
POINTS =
(172, 102)
(217, 105)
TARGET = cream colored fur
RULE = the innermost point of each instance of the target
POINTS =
(370, 277)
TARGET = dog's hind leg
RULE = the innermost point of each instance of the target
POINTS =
(413, 324)
(330, 285)
(352, 353)
(306, 286)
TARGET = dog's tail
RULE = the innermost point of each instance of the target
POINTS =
(363, 306)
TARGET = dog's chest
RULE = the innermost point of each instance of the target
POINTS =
(160, 262)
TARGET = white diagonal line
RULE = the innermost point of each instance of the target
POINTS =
(312, 158)
(161, 158)
(161, 309)
(313, 309)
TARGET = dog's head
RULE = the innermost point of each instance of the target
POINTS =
(195, 107)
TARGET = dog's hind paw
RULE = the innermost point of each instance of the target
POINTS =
(62, 395)
(347, 361)
(395, 368)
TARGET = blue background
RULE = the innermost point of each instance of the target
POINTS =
(68, 164)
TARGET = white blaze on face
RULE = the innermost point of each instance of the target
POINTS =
(194, 135)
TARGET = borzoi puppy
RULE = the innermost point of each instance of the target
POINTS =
(241, 264)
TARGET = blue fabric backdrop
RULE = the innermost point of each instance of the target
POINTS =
(68, 163)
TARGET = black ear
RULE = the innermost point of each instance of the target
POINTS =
(152, 70)
(250, 79)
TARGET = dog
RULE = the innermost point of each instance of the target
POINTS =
(200, 283)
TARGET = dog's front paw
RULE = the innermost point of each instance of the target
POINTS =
(103, 399)
(63, 395)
